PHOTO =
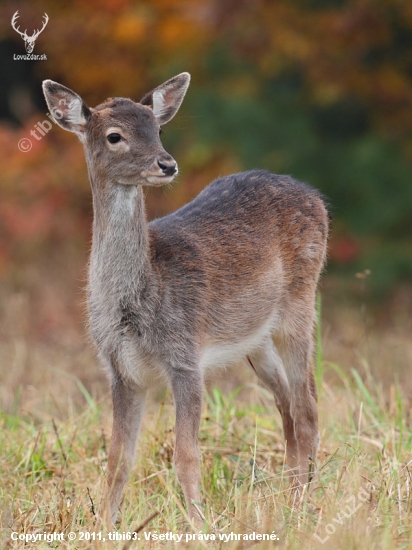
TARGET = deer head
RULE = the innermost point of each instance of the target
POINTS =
(120, 136)
(29, 41)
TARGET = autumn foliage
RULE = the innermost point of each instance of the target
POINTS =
(320, 89)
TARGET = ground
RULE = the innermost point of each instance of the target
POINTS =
(56, 422)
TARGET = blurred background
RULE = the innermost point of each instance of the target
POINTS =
(319, 89)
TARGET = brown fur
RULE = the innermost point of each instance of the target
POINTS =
(233, 274)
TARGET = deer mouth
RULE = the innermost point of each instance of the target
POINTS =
(159, 179)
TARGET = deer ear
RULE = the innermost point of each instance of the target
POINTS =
(67, 108)
(166, 99)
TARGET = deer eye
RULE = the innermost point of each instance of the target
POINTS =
(114, 138)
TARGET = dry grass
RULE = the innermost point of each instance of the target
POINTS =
(55, 429)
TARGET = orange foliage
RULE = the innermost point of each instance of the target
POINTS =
(121, 47)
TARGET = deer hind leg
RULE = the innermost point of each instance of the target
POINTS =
(187, 389)
(295, 348)
(270, 369)
(128, 405)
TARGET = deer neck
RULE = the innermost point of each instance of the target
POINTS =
(119, 263)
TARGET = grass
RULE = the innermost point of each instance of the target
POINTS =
(53, 473)
(55, 432)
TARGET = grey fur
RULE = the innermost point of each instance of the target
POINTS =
(231, 275)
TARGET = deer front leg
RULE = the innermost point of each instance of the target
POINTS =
(128, 405)
(187, 389)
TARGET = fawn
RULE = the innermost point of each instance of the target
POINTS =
(230, 276)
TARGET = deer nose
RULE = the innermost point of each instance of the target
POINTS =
(168, 167)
